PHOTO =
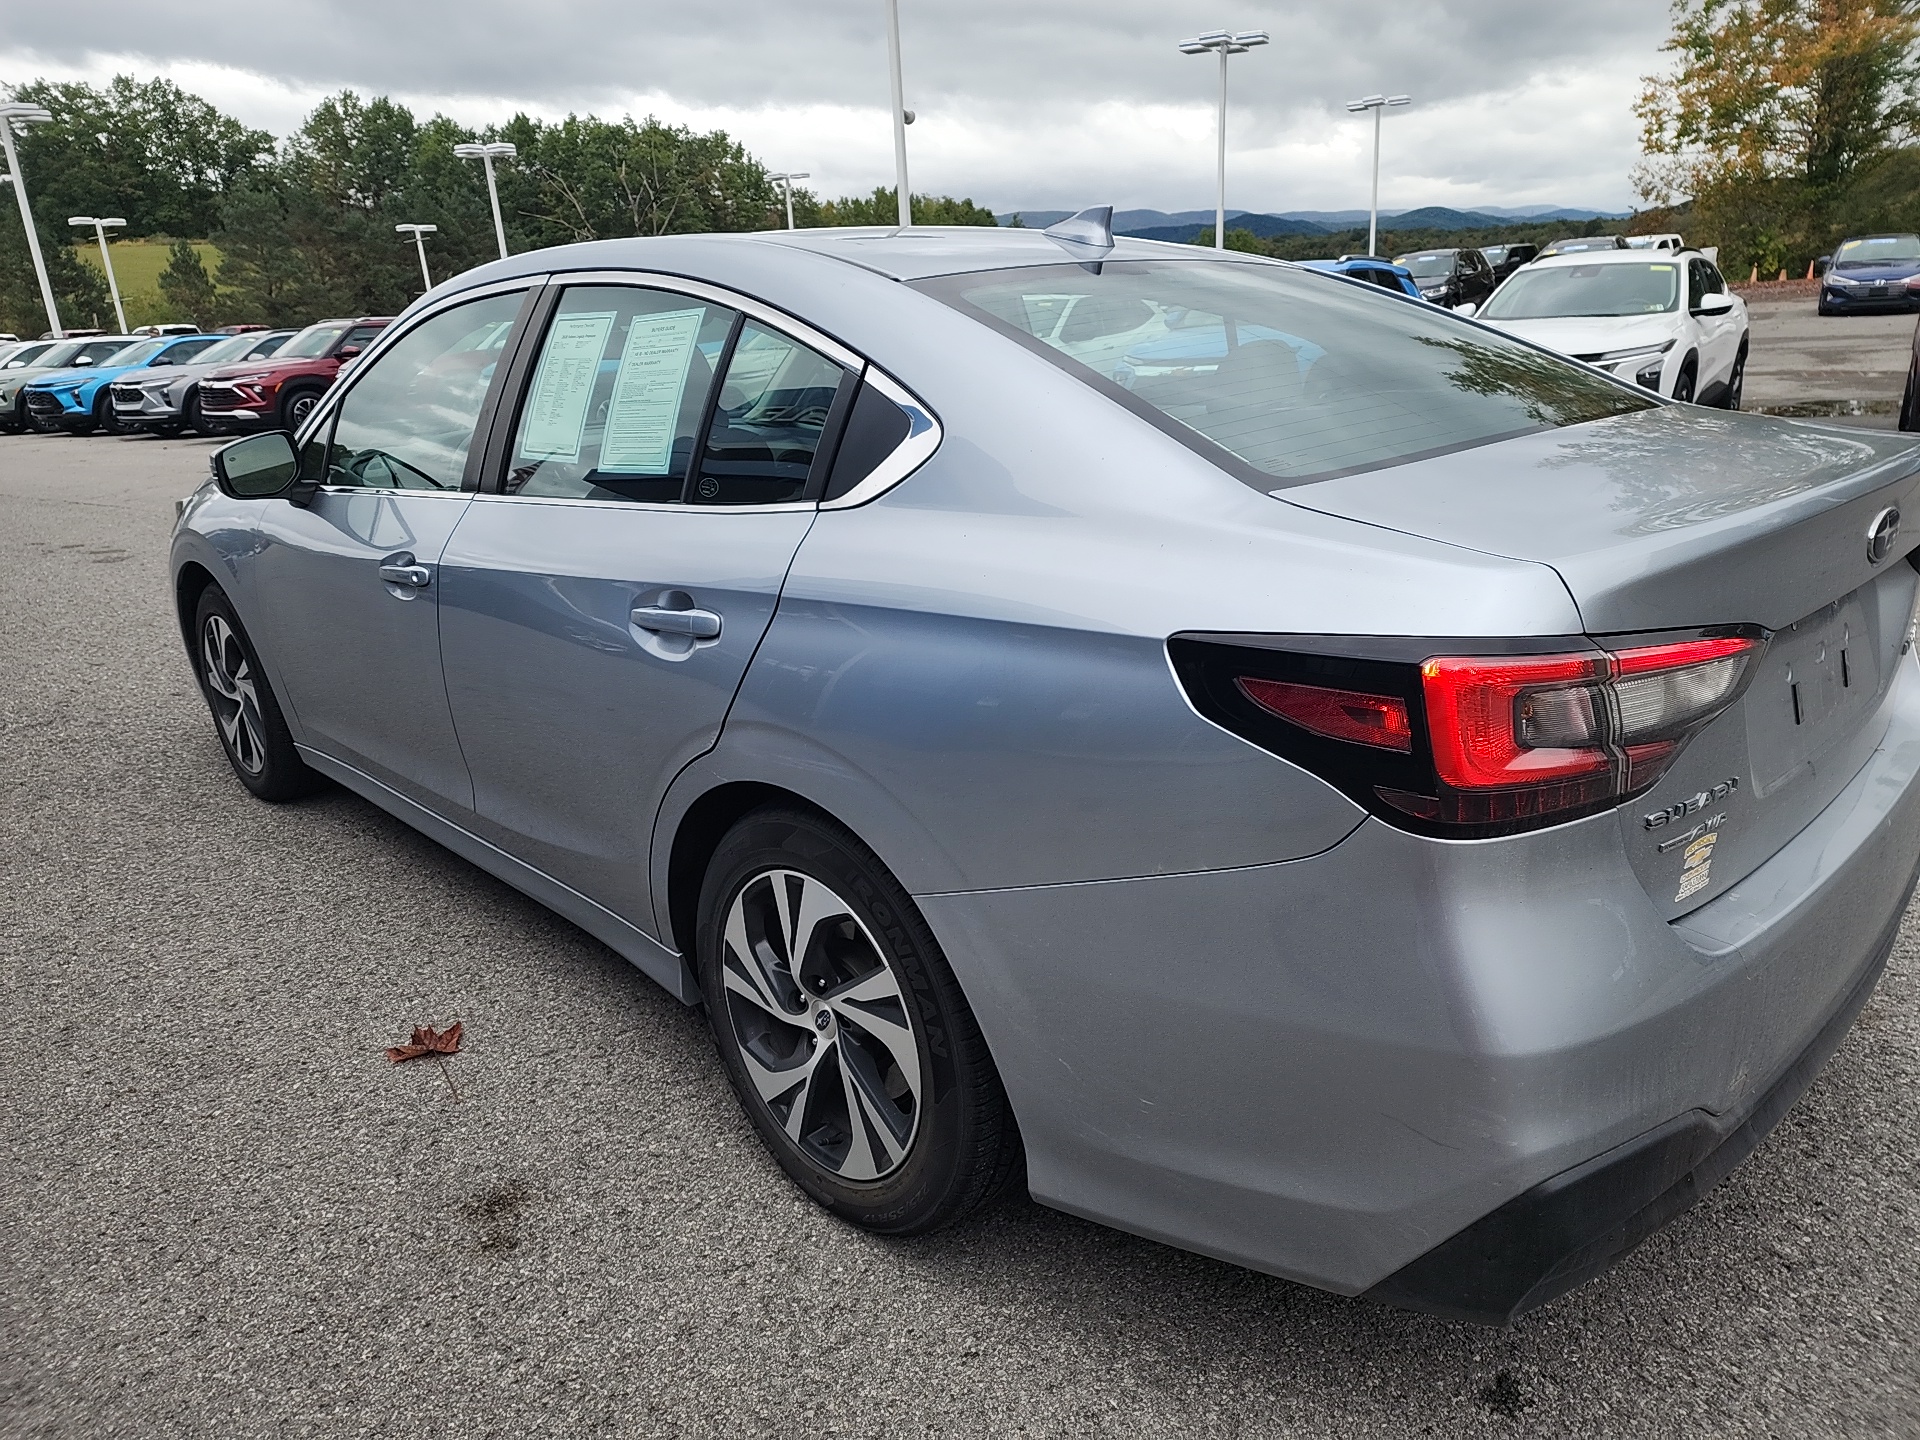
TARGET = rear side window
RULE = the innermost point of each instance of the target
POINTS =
(773, 407)
(618, 395)
(1282, 379)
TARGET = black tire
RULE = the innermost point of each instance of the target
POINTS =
(104, 420)
(246, 716)
(190, 414)
(1825, 309)
(869, 946)
(296, 405)
(1737, 380)
(1684, 382)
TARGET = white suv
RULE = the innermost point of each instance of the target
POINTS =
(1663, 321)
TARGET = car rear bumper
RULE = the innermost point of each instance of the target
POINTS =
(1354, 1069)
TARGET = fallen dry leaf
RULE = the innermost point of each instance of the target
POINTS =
(427, 1041)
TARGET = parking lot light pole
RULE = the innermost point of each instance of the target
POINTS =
(1377, 104)
(1223, 43)
(100, 225)
(486, 154)
(785, 181)
(15, 115)
(902, 117)
(419, 244)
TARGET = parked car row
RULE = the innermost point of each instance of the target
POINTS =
(168, 384)
(1648, 309)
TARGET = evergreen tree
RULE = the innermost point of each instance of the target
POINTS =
(186, 286)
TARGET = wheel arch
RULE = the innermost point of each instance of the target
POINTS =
(188, 586)
(698, 835)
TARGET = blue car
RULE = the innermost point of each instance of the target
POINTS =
(1871, 273)
(1371, 269)
(81, 401)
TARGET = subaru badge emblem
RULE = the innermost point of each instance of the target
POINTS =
(1882, 533)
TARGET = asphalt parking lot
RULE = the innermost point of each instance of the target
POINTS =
(222, 1212)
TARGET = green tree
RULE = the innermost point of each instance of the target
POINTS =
(883, 208)
(186, 286)
(147, 150)
(78, 289)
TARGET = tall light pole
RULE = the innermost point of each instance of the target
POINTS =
(16, 115)
(902, 117)
(785, 181)
(100, 225)
(486, 154)
(1223, 43)
(421, 245)
(1377, 104)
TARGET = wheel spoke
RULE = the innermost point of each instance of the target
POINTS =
(859, 1163)
(879, 1116)
(740, 966)
(893, 1033)
(817, 905)
(776, 1085)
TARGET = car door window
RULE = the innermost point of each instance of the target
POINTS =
(618, 396)
(359, 337)
(772, 410)
(408, 421)
(187, 350)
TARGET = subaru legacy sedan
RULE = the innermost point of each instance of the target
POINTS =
(1365, 798)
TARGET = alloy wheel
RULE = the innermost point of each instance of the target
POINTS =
(1737, 382)
(236, 699)
(821, 1023)
(300, 407)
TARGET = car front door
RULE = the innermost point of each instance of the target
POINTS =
(348, 583)
(1719, 334)
(602, 596)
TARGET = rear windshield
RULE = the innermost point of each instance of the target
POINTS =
(1276, 375)
(1549, 292)
(1435, 265)
(1878, 249)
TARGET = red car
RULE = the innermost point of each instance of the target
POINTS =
(280, 393)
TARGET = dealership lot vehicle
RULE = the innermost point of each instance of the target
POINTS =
(1373, 270)
(980, 736)
(60, 355)
(1505, 259)
(1869, 274)
(1669, 325)
(80, 400)
(1584, 245)
(167, 401)
(22, 353)
(283, 389)
(1449, 277)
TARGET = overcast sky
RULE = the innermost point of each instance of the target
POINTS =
(1021, 103)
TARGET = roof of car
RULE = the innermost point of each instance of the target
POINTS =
(1612, 257)
(919, 253)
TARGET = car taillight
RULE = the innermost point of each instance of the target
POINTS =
(1465, 744)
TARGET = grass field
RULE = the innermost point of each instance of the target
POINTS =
(137, 265)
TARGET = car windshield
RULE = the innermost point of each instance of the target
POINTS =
(1278, 376)
(310, 342)
(1495, 253)
(138, 354)
(234, 347)
(1878, 250)
(1434, 265)
(1561, 291)
(100, 352)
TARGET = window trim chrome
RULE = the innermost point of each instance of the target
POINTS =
(924, 435)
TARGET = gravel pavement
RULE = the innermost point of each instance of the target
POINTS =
(222, 1212)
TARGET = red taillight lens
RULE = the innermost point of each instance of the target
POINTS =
(1378, 720)
(1516, 737)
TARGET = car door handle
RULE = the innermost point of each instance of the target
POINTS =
(417, 576)
(700, 624)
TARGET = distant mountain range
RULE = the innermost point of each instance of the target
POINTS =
(1181, 224)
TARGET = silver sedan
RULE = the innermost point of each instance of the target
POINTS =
(1300, 776)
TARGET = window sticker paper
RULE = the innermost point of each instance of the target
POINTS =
(646, 394)
(563, 389)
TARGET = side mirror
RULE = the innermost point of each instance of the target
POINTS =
(1717, 304)
(1466, 311)
(80, 360)
(260, 467)
(347, 352)
(1823, 264)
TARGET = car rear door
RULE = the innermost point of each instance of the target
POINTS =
(602, 596)
(349, 582)
(1719, 334)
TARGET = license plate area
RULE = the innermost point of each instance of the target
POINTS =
(1819, 681)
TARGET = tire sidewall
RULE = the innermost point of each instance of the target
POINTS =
(900, 1201)
(291, 401)
(284, 776)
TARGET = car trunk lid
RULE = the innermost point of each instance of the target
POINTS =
(1675, 518)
